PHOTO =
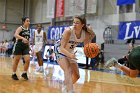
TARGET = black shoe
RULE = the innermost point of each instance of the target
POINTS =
(14, 77)
(24, 75)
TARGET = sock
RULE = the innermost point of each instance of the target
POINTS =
(24, 71)
(14, 73)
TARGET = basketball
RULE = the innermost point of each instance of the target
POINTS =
(91, 50)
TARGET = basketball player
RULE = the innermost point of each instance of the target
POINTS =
(64, 49)
(21, 47)
(123, 60)
(134, 63)
(39, 42)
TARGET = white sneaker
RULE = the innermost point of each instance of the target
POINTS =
(41, 70)
(111, 62)
(64, 89)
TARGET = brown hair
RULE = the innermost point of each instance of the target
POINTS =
(83, 21)
(23, 19)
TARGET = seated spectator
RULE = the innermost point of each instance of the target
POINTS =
(50, 54)
(10, 48)
(0, 48)
(4, 47)
(130, 43)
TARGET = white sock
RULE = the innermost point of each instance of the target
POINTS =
(24, 71)
(14, 73)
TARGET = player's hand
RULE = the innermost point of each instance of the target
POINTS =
(24, 40)
(73, 56)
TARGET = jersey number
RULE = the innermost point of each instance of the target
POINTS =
(72, 46)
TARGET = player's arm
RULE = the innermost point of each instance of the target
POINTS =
(17, 36)
(89, 36)
(64, 41)
(87, 39)
(91, 33)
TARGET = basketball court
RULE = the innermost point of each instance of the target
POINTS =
(51, 81)
(113, 21)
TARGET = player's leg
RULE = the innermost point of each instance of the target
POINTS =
(26, 66)
(75, 71)
(130, 72)
(26, 57)
(65, 65)
(17, 54)
(40, 61)
(15, 65)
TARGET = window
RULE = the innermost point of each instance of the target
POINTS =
(125, 8)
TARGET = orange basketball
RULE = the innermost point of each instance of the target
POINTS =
(91, 50)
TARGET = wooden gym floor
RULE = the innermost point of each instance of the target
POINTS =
(91, 81)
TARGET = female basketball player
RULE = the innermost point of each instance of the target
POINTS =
(21, 48)
(64, 50)
(39, 42)
(134, 63)
(124, 60)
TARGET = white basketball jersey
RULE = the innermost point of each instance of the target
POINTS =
(74, 41)
(38, 40)
(38, 37)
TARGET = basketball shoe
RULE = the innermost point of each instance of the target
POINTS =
(24, 75)
(14, 77)
(40, 69)
(111, 62)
